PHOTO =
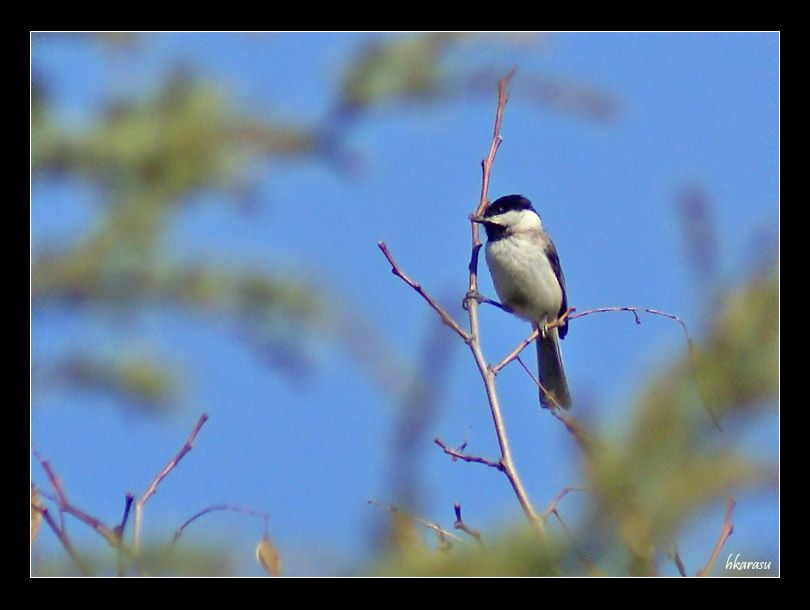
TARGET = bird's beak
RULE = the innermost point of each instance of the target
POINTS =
(478, 219)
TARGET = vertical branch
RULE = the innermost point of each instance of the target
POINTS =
(487, 374)
(506, 463)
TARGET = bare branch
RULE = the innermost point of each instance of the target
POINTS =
(552, 507)
(543, 389)
(446, 317)
(220, 507)
(516, 352)
(150, 491)
(507, 465)
(635, 311)
(486, 164)
(460, 525)
(456, 454)
(66, 507)
(728, 529)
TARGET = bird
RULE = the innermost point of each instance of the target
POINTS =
(529, 281)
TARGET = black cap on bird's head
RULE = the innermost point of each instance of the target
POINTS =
(507, 203)
(503, 214)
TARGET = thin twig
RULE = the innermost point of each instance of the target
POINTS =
(728, 529)
(486, 164)
(150, 491)
(555, 405)
(460, 525)
(635, 311)
(572, 425)
(552, 507)
(516, 352)
(552, 510)
(66, 507)
(446, 317)
(487, 375)
(63, 539)
(457, 454)
(442, 533)
(220, 507)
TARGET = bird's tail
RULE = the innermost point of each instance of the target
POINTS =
(554, 390)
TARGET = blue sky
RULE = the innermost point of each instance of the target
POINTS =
(692, 109)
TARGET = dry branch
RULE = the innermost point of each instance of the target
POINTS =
(150, 491)
(458, 454)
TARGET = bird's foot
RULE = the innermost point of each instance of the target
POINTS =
(474, 295)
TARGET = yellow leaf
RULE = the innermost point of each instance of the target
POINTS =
(268, 557)
(36, 516)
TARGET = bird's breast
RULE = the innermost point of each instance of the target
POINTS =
(523, 278)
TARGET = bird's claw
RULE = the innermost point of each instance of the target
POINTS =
(472, 295)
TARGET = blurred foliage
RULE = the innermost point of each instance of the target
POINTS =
(514, 553)
(197, 559)
(668, 461)
(396, 69)
(141, 379)
(149, 156)
(420, 67)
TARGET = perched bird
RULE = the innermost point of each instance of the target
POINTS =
(526, 272)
